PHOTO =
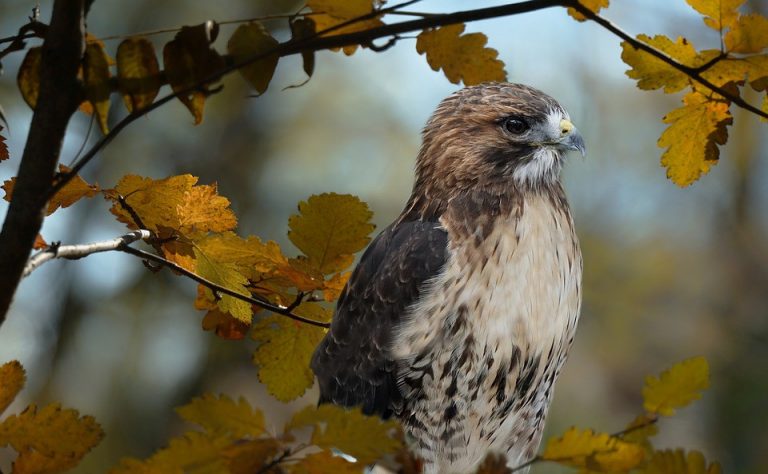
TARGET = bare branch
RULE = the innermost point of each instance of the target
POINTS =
(74, 252)
(59, 95)
(262, 302)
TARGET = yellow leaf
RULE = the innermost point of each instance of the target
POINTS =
(227, 276)
(174, 202)
(28, 78)
(329, 229)
(76, 189)
(325, 463)
(695, 131)
(737, 70)
(96, 77)
(250, 40)
(314, 311)
(190, 59)
(365, 438)
(138, 73)
(462, 57)
(334, 286)
(653, 73)
(192, 453)
(594, 451)
(12, 378)
(284, 354)
(251, 256)
(224, 416)
(60, 436)
(676, 387)
(748, 35)
(252, 456)
(334, 12)
(677, 462)
(593, 5)
(718, 14)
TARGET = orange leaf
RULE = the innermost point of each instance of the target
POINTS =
(224, 325)
(40, 243)
(334, 286)
(76, 189)
(175, 202)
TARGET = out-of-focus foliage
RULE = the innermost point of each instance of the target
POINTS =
(47, 440)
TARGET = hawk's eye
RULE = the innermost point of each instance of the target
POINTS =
(515, 125)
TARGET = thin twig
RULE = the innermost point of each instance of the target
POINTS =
(262, 302)
(74, 252)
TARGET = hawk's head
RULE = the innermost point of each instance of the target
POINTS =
(495, 134)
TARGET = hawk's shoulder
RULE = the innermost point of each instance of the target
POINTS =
(353, 363)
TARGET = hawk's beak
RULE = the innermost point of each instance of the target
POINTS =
(570, 138)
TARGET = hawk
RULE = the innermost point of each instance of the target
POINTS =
(460, 314)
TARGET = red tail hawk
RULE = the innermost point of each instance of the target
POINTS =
(460, 314)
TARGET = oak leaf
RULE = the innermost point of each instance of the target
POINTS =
(593, 5)
(76, 189)
(96, 77)
(329, 229)
(222, 324)
(718, 14)
(283, 355)
(50, 436)
(28, 78)
(365, 438)
(678, 462)
(462, 57)
(640, 429)
(223, 416)
(12, 379)
(598, 452)
(138, 73)
(250, 40)
(692, 139)
(175, 202)
(676, 387)
(331, 13)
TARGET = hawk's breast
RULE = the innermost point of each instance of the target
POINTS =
(481, 350)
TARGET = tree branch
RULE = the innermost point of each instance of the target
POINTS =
(59, 96)
(74, 252)
(262, 302)
(693, 73)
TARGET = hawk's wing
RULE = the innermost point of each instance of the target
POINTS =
(353, 362)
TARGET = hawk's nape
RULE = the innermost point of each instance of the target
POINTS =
(460, 314)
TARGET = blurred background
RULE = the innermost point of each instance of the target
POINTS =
(670, 273)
